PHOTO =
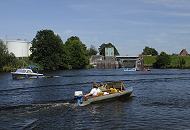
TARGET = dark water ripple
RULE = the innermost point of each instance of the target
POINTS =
(160, 101)
(88, 83)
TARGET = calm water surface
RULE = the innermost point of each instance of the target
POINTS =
(161, 100)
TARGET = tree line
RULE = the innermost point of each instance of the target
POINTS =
(49, 52)
(163, 60)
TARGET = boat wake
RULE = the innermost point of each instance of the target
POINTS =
(26, 117)
(38, 106)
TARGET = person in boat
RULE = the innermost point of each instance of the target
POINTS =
(103, 87)
(94, 91)
(122, 85)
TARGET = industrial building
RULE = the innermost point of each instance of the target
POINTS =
(130, 62)
(20, 48)
(110, 61)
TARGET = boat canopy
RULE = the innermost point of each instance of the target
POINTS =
(24, 71)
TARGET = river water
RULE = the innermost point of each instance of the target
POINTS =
(160, 100)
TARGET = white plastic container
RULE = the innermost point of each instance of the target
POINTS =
(78, 93)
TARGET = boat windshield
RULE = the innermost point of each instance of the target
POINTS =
(29, 71)
(24, 71)
(21, 71)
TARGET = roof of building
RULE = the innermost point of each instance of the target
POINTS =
(183, 52)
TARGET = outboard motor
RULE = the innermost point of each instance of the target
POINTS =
(79, 97)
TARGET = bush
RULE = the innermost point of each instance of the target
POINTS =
(162, 61)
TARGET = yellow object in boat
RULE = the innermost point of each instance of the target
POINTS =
(113, 90)
(100, 93)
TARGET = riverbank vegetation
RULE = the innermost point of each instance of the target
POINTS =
(163, 60)
(176, 62)
(149, 51)
(8, 61)
(49, 52)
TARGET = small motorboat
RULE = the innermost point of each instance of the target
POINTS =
(25, 74)
(112, 90)
(130, 69)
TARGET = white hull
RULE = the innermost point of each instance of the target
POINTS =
(130, 69)
(24, 74)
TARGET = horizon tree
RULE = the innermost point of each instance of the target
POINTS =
(162, 60)
(78, 54)
(6, 58)
(92, 50)
(48, 50)
(149, 51)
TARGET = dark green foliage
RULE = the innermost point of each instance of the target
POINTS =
(78, 54)
(181, 63)
(177, 61)
(92, 50)
(48, 50)
(149, 60)
(149, 51)
(3, 54)
(6, 59)
(103, 46)
(162, 60)
(11, 59)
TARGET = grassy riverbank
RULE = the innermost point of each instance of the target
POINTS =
(150, 60)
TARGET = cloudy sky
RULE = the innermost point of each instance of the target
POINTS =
(129, 24)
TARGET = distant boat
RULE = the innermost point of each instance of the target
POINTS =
(130, 69)
(148, 69)
(25, 74)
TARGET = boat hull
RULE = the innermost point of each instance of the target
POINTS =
(25, 76)
(118, 95)
(130, 69)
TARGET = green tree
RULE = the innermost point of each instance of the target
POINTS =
(181, 62)
(78, 54)
(162, 60)
(48, 50)
(11, 59)
(6, 60)
(5, 57)
(103, 46)
(3, 54)
(149, 51)
(92, 50)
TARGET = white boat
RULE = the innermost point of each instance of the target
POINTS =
(25, 73)
(130, 69)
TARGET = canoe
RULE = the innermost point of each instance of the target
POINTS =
(121, 94)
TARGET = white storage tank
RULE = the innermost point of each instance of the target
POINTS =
(19, 47)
